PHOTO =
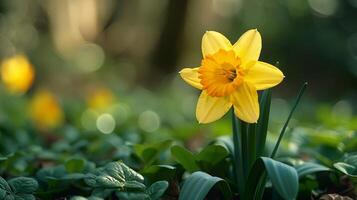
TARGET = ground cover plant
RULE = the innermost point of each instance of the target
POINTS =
(248, 128)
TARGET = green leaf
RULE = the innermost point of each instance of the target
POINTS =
(284, 178)
(282, 132)
(23, 185)
(132, 195)
(351, 159)
(102, 192)
(263, 121)
(25, 197)
(3, 158)
(2, 194)
(239, 171)
(4, 188)
(226, 142)
(184, 158)
(75, 165)
(134, 185)
(212, 155)
(20, 188)
(51, 172)
(160, 172)
(4, 185)
(252, 146)
(115, 175)
(84, 198)
(310, 168)
(78, 198)
(198, 184)
(148, 153)
(157, 189)
(348, 166)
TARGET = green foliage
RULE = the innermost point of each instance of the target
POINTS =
(75, 165)
(310, 168)
(161, 172)
(18, 188)
(148, 153)
(72, 163)
(262, 127)
(348, 166)
(115, 175)
(154, 192)
(211, 159)
(198, 185)
(279, 174)
(185, 158)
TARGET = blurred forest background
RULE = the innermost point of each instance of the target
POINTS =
(104, 51)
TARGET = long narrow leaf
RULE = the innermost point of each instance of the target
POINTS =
(284, 178)
(251, 151)
(197, 186)
(302, 90)
(244, 148)
(262, 126)
(238, 166)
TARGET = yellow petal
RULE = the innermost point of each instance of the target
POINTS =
(263, 75)
(213, 41)
(210, 109)
(249, 45)
(190, 75)
(245, 102)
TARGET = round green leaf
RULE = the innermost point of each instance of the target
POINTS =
(23, 185)
(184, 158)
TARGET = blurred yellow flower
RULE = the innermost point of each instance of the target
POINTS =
(230, 75)
(17, 74)
(100, 99)
(45, 111)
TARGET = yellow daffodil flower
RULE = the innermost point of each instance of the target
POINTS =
(230, 75)
(45, 111)
(17, 74)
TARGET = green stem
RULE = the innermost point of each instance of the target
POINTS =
(262, 126)
(302, 90)
(244, 149)
(251, 145)
(238, 167)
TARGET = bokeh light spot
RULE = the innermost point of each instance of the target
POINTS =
(105, 123)
(342, 109)
(17, 74)
(149, 121)
(89, 58)
(324, 7)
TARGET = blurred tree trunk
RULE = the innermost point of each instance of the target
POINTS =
(165, 56)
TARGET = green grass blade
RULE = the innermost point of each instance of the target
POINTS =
(198, 184)
(302, 90)
(262, 126)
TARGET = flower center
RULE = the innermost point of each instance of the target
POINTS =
(220, 73)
